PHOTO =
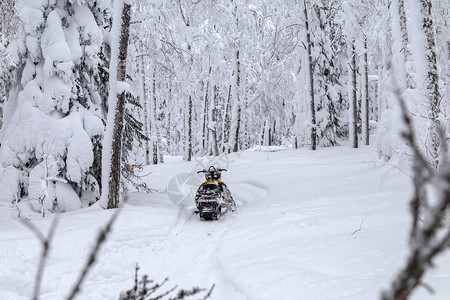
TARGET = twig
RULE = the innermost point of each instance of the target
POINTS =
(136, 278)
(397, 168)
(156, 286)
(45, 242)
(165, 294)
(210, 292)
(101, 238)
(428, 288)
(141, 291)
(360, 225)
(140, 176)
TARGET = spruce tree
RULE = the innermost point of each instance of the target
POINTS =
(53, 121)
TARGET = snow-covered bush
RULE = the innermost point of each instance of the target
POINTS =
(53, 114)
(391, 147)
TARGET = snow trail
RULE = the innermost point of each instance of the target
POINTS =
(290, 238)
(186, 250)
(203, 240)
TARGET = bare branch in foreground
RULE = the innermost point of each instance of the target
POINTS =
(147, 289)
(45, 243)
(429, 203)
(210, 292)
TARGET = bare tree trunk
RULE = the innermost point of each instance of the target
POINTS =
(205, 117)
(183, 137)
(214, 119)
(410, 83)
(168, 130)
(353, 125)
(114, 177)
(274, 132)
(263, 133)
(379, 99)
(155, 153)
(144, 103)
(226, 120)
(169, 135)
(2, 101)
(189, 133)
(366, 94)
(157, 156)
(205, 113)
(238, 103)
(311, 81)
(188, 139)
(238, 126)
(434, 96)
(154, 127)
(270, 137)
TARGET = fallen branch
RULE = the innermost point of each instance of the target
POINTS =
(360, 225)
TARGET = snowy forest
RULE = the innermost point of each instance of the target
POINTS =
(208, 77)
(96, 93)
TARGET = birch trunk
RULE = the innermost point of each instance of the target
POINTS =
(114, 176)
(189, 133)
(237, 103)
(365, 99)
(157, 156)
(263, 133)
(205, 113)
(311, 81)
(432, 82)
(410, 83)
(144, 103)
(214, 119)
(168, 131)
(353, 103)
(226, 120)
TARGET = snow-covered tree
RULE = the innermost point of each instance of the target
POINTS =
(329, 49)
(50, 151)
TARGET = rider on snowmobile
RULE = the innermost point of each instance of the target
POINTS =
(213, 176)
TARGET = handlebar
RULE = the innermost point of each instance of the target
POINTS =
(215, 170)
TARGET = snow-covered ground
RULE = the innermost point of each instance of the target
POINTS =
(295, 234)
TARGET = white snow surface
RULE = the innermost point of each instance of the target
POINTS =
(329, 224)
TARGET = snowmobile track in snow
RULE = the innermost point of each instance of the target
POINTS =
(194, 244)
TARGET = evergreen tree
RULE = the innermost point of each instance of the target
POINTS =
(53, 117)
(329, 46)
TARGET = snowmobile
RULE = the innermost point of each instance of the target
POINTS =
(213, 195)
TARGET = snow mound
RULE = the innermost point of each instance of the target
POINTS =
(268, 148)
